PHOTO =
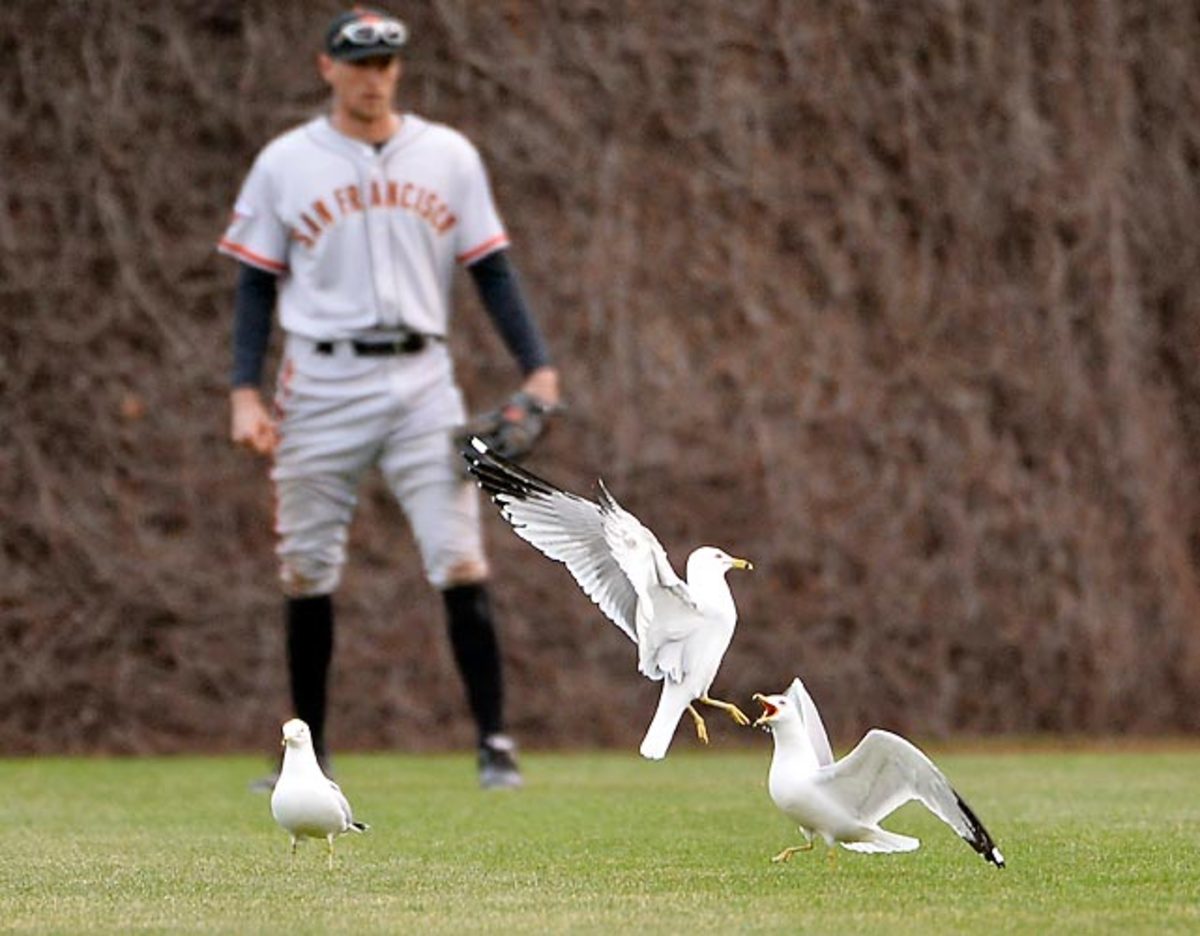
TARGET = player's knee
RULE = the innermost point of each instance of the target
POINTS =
(302, 577)
(460, 572)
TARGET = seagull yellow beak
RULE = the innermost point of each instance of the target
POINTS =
(769, 710)
(742, 564)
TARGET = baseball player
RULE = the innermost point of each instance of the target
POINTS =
(351, 226)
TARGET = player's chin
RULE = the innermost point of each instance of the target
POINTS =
(371, 107)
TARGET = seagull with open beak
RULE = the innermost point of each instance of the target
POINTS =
(843, 801)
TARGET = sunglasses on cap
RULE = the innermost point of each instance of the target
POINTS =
(370, 32)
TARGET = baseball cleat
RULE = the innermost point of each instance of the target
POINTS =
(498, 765)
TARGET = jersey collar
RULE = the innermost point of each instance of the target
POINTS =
(411, 126)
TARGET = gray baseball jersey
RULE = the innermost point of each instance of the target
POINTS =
(365, 238)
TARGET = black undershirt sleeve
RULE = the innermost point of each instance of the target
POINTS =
(253, 312)
(500, 291)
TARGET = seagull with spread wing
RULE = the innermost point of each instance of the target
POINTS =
(844, 801)
(682, 628)
(305, 801)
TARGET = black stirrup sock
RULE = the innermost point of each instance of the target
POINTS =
(477, 652)
(309, 650)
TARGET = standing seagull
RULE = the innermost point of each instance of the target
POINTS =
(682, 629)
(844, 801)
(306, 802)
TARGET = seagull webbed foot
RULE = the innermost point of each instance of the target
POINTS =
(791, 850)
(701, 728)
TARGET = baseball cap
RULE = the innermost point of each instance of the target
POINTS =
(364, 33)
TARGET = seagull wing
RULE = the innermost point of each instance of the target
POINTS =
(348, 823)
(885, 771)
(343, 803)
(812, 722)
(641, 557)
(570, 529)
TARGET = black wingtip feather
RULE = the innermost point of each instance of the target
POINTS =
(498, 475)
(980, 839)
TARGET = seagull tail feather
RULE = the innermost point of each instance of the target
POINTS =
(883, 841)
(978, 837)
(662, 726)
(359, 827)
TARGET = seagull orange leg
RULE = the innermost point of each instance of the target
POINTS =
(734, 712)
(701, 728)
(791, 850)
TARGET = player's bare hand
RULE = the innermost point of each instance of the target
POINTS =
(542, 385)
(251, 426)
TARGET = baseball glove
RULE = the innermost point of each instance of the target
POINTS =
(511, 430)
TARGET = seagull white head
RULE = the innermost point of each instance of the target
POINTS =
(296, 733)
(794, 722)
(709, 557)
(785, 708)
(776, 708)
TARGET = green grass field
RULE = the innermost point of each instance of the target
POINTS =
(1096, 841)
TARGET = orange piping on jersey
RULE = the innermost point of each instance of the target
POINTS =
(243, 253)
(500, 240)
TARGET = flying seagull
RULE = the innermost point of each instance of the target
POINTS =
(306, 802)
(682, 628)
(844, 801)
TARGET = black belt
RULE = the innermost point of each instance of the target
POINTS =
(411, 343)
